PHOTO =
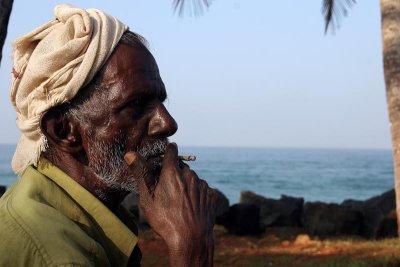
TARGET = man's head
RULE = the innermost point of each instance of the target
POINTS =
(51, 64)
(86, 91)
(120, 110)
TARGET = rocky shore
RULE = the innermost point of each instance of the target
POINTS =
(372, 218)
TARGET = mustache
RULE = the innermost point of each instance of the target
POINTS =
(153, 149)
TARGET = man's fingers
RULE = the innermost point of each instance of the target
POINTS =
(141, 173)
(171, 155)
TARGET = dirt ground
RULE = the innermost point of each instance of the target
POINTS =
(284, 247)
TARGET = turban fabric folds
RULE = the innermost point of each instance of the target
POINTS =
(51, 64)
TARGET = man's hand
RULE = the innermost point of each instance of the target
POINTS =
(180, 208)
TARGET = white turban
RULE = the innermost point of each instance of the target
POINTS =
(51, 64)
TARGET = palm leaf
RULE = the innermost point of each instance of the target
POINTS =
(196, 7)
(333, 12)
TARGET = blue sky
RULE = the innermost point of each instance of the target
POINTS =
(249, 73)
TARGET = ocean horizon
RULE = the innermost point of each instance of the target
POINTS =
(316, 174)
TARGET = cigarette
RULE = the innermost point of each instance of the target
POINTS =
(185, 158)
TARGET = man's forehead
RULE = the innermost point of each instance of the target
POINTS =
(136, 86)
(129, 71)
(130, 63)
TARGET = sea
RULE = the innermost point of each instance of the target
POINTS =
(328, 175)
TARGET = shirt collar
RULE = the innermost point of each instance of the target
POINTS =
(114, 229)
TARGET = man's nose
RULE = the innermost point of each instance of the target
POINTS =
(162, 124)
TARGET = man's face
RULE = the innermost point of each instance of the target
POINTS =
(128, 115)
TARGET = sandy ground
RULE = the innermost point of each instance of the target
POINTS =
(284, 247)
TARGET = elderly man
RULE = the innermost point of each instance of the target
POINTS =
(89, 100)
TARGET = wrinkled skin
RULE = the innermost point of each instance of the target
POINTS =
(180, 206)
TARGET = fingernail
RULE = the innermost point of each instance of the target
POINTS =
(129, 157)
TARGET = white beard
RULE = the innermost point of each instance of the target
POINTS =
(109, 165)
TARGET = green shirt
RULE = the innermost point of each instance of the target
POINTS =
(48, 219)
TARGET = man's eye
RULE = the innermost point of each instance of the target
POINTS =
(136, 106)
(136, 103)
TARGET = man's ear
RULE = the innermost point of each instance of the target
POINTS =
(60, 131)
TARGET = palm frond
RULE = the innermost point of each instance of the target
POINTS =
(191, 7)
(333, 12)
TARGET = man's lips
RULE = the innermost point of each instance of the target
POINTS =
(152, 149)
(152, 157)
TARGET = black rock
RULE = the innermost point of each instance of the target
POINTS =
(283, 212)
(379, 215)
(2, 190)
(222, 208)
(324, 219)
(242, 219)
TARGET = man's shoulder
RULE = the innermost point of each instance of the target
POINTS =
(40, 223)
